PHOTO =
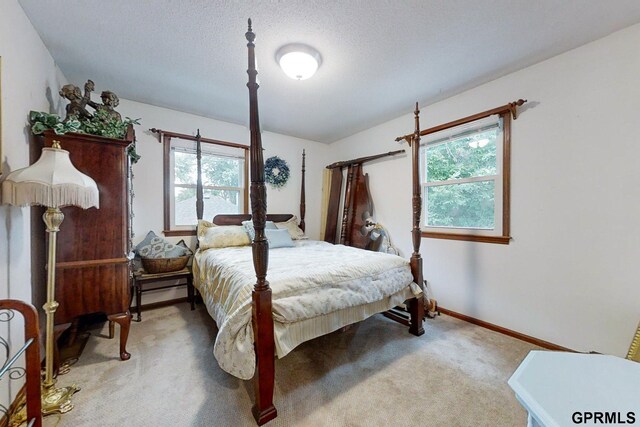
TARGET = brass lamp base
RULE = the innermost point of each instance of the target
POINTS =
(58, 400)
(54, 401)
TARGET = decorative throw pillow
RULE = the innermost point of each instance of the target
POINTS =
(223, 236)
(184, 245)
(248, 226)
(279, 239)
(153, 246)
(202, 227)
(292, 225)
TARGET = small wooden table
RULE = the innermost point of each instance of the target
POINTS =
(141, 278)
(564, 389)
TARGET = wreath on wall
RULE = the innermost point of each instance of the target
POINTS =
(276, 172)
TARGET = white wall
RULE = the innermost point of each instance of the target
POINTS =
(30, 81)
(570, 274)
(148, 184)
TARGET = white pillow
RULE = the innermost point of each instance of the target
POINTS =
(248, 226)
(292, 226)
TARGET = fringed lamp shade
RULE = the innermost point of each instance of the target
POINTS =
(52, 181)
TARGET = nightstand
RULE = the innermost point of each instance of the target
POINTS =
(139, 279)
(563, 389)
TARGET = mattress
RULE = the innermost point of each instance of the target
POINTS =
(316, 288)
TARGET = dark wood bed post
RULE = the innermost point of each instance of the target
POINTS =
(303, 206)
(347, 204)
(262, 318)
(199, 188)
(416, 305)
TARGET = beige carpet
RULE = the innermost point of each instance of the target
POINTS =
(374, 374)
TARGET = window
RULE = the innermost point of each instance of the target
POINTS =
(464, 184)
(224, 181)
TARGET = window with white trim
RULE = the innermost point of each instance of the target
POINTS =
(223, 181)
(463, 184)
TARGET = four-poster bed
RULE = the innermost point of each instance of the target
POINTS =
(310, 296)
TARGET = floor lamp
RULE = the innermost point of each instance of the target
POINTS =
(634, 348)
(52, 182)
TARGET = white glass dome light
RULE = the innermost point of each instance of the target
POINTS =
(298, 61)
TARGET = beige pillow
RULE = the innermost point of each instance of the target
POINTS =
(292, 226)
(221, 236)
(202, 227)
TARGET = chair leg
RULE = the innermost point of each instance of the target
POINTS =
(138, 287)
(190, 294)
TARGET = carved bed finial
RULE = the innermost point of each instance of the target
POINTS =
(250, 35)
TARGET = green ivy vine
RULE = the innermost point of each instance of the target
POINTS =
(100, 124)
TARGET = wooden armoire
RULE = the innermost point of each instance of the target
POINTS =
(93, 272)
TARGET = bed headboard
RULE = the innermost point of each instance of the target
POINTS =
(236, 219)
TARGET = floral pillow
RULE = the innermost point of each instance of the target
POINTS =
(292, 226)
(154, 246)
(221, 236)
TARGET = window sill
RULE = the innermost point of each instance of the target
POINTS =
(173, 233)
(500, 240)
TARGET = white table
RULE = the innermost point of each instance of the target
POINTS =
(554, 386)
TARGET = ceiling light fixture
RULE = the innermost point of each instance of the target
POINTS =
(298, 61)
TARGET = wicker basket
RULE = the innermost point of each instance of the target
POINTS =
(164, 265)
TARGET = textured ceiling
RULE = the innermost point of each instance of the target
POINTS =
(379, 56)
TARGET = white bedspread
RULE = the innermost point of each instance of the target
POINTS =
(309, 280)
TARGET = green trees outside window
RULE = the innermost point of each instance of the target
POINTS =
(222, 180)
(459, 179)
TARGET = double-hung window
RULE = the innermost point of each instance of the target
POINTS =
(464, 184)
(224, 175)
